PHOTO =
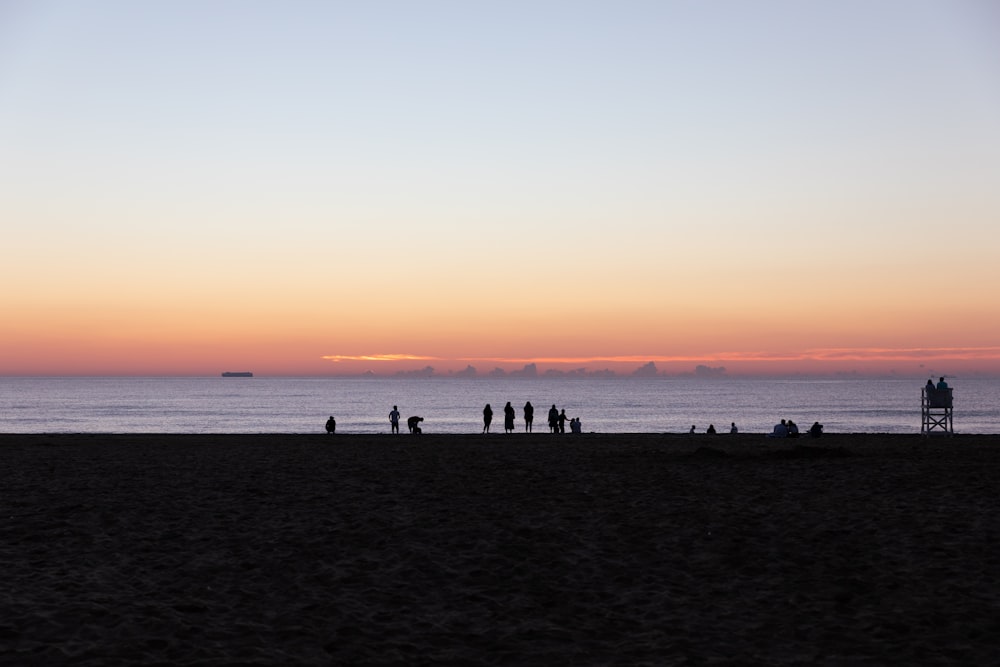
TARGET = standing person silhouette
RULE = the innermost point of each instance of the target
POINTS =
(487, 418)
(562, 421)
(529, 416)
(508, 418)
(553, 419)
(394, 419)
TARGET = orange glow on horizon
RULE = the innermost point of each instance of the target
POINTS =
(272, 227)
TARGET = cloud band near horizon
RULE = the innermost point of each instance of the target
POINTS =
(820, 354)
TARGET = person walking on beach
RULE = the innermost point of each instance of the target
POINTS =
(394, 419)
(508, 418)
(487, 418)
(529, 416)
(553, 419)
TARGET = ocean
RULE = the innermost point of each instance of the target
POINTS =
(455, 405)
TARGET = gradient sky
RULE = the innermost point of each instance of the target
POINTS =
(332, 187)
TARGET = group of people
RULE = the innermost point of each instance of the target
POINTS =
(711, 429)
(412, 423)
(786, 428)
(557, 419)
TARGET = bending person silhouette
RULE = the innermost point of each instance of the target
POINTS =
(413, 423)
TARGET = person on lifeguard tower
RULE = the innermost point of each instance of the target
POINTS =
(942, 384)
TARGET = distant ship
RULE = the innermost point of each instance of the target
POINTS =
(239, 374)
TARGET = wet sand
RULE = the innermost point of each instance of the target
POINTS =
(513, 550)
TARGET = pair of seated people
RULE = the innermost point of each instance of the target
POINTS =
(785, 429)
(938, 396)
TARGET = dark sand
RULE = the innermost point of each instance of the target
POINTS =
(516, 550)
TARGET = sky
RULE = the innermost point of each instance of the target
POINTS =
(323, 188)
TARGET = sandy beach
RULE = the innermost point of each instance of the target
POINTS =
(513, 550)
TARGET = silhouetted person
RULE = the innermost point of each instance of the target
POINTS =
(394, 419)
(553, 419)
(733, 430)
(487, 418)
(780, 430)
(413, 423)
(942, 384)
(711, 429)
(562, 421)
(508, 418)
(929, 386)
(575, 426)
(529, 416)
(331, 425)
(692, 429)
(793, 429)
(816, 430)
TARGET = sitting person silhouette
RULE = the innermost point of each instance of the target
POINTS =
(780, 431)
(816, 430)
(413, 423)
(711, 429)
(331, 425)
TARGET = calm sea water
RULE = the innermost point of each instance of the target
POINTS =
(454, 405)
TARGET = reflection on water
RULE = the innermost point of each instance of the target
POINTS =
(454, 405)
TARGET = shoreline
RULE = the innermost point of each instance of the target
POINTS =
(537, 549)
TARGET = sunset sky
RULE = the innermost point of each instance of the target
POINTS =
(312, 188)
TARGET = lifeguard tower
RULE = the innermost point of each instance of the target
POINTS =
(936, 409)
